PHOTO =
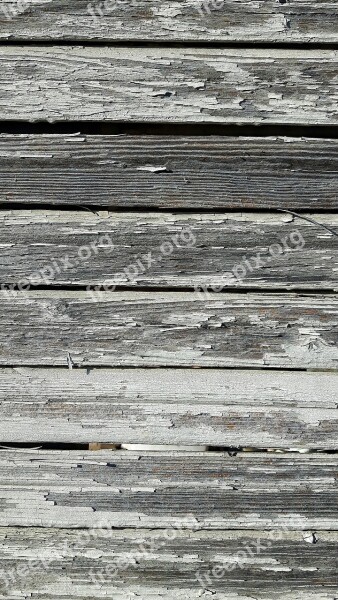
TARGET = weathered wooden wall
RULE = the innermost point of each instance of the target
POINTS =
(170, 172)
(160, 490)
(179, 20)
(132, 155)
(178, 85)
(150, 329)
(228, 407)
(72, 564)
(168, 250)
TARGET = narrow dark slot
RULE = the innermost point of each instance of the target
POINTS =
(107, 128)
(191, 43)
(89, 368)
(96, 209)
(231, 450)
(43, 445)
(170, 289)
(247, 450)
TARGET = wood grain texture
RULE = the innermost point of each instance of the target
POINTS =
(173, 565)
(168, 329)
(157, 490)
(170, 171)
(179, 20)
(163, 249)
(176, 406)
(168, 85)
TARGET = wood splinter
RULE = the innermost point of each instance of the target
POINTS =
(95, 446)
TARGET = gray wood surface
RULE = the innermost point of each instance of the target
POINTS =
(56, 328)
(190, 85)
(173, 565)
(179, 20)
(185, 250)
(159, 490)
(210, 172)
(169, 406)
(69, 517)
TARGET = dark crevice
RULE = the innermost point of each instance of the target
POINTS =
(43, 445)
(245, 450)
(77, 528)
(108, 128)
(288, 289)
(230, 450)
(97, 208)
(94, 367)
(191, 43)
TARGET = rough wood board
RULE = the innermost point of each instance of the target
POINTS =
(179, 20)
(168, 250)
(170, 171)
(168, 85)
(174, 406)
(56, 328)
(159, 490)
(172, 565)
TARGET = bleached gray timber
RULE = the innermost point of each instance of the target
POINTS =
(56, 328)
(190, 85)
(210, 172)
(311, 21)
(166, 406)
(167, 565)
(163, 249)
(199, 490)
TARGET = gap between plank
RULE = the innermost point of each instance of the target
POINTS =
(208, 367)
(107, 128)
(288, 289)
(146, 208)
(120, 447)
(191, 44)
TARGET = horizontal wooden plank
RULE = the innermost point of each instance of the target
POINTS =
(172, 565)
(163, 249)
(169, 406)
(179, 20)
(56, 328)
(168, 85)
(170, 171)
(159, 490)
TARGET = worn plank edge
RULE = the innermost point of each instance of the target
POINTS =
(179, 20)
(169, 172)
(149, 489)
(168, 85)
(169, 406)
(172, 565)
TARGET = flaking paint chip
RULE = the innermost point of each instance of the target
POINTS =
(152, 169)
